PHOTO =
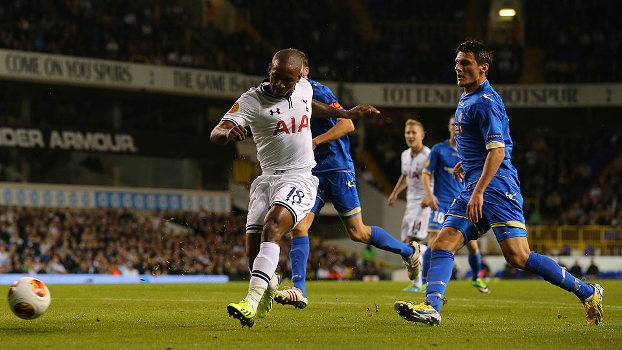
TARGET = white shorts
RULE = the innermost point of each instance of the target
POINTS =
(415, 223)
(294, 192)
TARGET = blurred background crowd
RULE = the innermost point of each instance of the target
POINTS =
(131, 243)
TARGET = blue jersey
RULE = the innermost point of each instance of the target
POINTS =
(440, 163)
(334, 155)
(481, 123)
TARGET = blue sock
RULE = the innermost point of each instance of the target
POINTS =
(426, 265)
(381, 239)
(298, 256)
(548, 269)
(441, 266)
(475, 261)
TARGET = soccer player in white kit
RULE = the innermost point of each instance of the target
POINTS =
(277, 112)
(415, 221)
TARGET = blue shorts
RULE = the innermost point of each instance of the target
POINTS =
(438, 217)
(340, 188)
(502, 211)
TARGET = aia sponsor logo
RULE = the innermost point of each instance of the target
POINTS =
(293, 127)
(412, 175)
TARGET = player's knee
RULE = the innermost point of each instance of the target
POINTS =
(516, 260)
(272, 231)
(296, 232)
(358, 234)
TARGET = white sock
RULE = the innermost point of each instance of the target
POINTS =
(273, 285)
(264, 267)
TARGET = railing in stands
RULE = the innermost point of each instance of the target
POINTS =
(576, 240)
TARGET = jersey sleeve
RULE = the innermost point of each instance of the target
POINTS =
(242, 111)
(432, 160)
(324, 94)
(490, 122)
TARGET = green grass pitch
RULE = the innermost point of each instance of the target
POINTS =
(341, 315)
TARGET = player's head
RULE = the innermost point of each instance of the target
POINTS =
(305, 64)
(473, 60)
(285, 71)
(414, 133)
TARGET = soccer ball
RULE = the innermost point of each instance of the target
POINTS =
(29, 298)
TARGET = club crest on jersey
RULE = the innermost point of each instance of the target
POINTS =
(234, 108)
(281, 126)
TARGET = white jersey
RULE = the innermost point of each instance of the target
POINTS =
(412, 168)
(280, 126)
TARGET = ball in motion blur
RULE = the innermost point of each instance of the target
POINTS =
(29, 298)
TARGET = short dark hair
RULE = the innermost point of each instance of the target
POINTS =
(483, 54)
(305, 60)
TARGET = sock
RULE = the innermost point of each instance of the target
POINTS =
(475, 261)
(425, 265)
(548, 269)
(381, 239)
(298, 256)
(263, 270)
(441, 266)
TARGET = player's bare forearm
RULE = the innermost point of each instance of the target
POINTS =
(226, 131)
(491, 165)
(322, 110)
(342, 128)
(426, 183)
(399, 187)
(430, 199)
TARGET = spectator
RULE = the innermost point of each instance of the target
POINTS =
(575, 270)
(592, 270)
(368, 253)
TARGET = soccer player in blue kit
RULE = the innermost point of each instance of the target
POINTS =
(335, 170)
(440, 164)
(491, 197)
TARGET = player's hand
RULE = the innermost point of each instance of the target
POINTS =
(362, 110)
(391, 200)
(314, 142)
(458, 172)
(237, 133)
(431, 202)
(474, 207)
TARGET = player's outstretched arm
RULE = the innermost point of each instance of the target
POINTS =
(322, 110)
(227, 131)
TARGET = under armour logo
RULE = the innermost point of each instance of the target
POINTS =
(277, 112)
(349, 183)
(306, 107)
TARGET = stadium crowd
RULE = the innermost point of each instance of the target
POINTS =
(375, 42)
(123, 242)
